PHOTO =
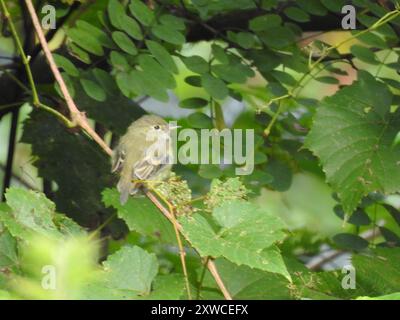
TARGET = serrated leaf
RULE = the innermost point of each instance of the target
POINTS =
(141, 216)
(30, 213)
(131, 268)
(352, 134)
(370, 274)
(162, 56)
(247, 236)
(124, 42)
(167, 287)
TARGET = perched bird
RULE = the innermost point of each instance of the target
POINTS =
(144, 153)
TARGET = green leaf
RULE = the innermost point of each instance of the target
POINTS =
(232, 73)
(378, 273)
(173, 22)
(123, 41)
(116, 13)
(334, 6)
(167, 287)
(8, 248)
(296, 14)
(194, 81)
(105, 80)
(352, 134)
(162, 56)
(313, 7)
(210, 171)
(193, 103)
(29, 213)
(132, 28)
(282, 175)
(155, 71)
(65, 64)
(265, 22)
(327, 79)
(79, 53)
(85, 40)
(358, 217)
(245, 39)
(196, 64)
(140, 215)
(119, 61)
(392, 296)
(215, 87)
(131, 268)
(247, 236)
(123, 80)
(364, 54)
(200, 120)
(350, 241)
(93, 90)
(167, 34)
(150, 84)
(97, 33)
(141, 12)
(277, 37)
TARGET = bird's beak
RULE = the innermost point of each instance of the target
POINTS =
(172, 127)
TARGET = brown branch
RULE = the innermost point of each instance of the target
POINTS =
(80, 120)
(210, 265)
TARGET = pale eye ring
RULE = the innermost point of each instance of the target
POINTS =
(157, 127)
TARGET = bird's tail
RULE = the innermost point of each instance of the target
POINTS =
(126, 188)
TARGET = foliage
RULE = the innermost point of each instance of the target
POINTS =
(325, 106)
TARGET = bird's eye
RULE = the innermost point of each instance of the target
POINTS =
(157, 127)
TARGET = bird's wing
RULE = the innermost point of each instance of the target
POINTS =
(118, 159)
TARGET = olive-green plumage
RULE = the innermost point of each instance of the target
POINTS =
(143, 153)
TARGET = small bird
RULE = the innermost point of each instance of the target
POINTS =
(144, 153)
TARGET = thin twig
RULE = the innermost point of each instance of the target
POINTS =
(182, 252)
(78, 118)
(210, 265)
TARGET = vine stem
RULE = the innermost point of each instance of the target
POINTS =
(182, 252)
(79, 119)
(210, 265)
(385, 19)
